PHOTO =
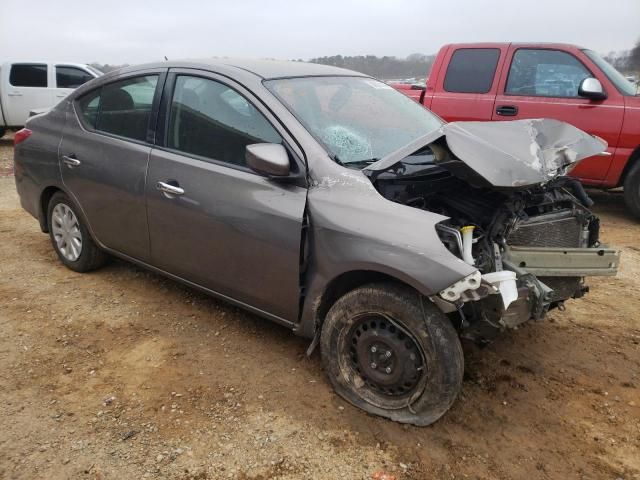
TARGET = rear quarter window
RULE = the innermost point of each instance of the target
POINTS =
(28, 75)
(471, 70)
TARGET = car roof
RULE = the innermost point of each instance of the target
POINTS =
(265, 69)
(43, 62)
(517, 44)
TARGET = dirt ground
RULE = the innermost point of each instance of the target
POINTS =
(124, 374)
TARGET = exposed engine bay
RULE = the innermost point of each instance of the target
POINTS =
(532, 245)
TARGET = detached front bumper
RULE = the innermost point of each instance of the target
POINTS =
(545, 278)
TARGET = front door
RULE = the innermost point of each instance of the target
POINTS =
(543, 83)
(103, 160)
(28, 89)
(212, 220)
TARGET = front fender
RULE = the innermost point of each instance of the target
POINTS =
(354, 228)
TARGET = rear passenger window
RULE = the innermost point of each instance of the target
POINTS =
(471, 70)
(121, 108)
(28, 75)
(71, 77)
(211, 120)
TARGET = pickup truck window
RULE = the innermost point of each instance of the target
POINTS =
(358, 120)
(71, 77)
(624, 86)
(471, 70)
(545, 73)
(28, 75)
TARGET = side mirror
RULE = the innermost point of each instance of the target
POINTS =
(592, 88)
(269, 159)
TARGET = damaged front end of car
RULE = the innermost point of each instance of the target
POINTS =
(512, 214)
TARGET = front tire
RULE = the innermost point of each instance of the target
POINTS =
(392, 353)
(632, 189)
(70, 238)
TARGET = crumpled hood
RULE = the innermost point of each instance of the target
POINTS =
(505, 154)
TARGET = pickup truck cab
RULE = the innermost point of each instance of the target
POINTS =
(27, 86)
(502, 81)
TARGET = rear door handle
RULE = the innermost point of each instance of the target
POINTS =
(15, 94)
(169, 189)
(507, 110)
(71, 161)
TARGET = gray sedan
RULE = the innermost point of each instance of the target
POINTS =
(324, 200)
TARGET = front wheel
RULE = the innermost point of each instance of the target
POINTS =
(392, 353)
(70, 237)
(632, 189)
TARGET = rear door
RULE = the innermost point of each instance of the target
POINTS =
(27, 89)
(466, 88)
(104, 155)
(67, 79)
(543, 83)
(230, 230)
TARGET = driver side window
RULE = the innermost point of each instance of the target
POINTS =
(545, 73)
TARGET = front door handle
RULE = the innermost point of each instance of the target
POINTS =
(507, 110)
(169, 189)
(71, 161)
(15, 94)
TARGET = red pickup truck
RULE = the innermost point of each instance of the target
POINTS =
(508, 81)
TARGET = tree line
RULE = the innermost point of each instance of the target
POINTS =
(416, 65)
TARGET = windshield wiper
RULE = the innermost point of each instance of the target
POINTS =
(360, 163)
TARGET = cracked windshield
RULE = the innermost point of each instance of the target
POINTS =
(358, 120)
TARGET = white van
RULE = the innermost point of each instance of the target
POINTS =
(27, 86)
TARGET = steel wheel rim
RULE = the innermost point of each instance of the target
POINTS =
(66, 232)
(386, 357)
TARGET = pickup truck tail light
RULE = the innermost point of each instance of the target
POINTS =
(21, 136)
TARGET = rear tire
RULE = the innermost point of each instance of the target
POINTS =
(632, 189)
(2, 131)
(70, 238)
(392, 353)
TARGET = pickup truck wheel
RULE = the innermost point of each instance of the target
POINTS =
(70, 238)
(2, 131)
(632, 189)
(392, 353)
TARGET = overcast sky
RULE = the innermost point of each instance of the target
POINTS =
(128, 31)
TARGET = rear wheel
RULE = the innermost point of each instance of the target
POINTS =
(632, 189)
(2, 131)
(392, 353)
(70, 237)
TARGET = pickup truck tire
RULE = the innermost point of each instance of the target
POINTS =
(389, 351)
(2, 131)
(632, 189)
(70, 238)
